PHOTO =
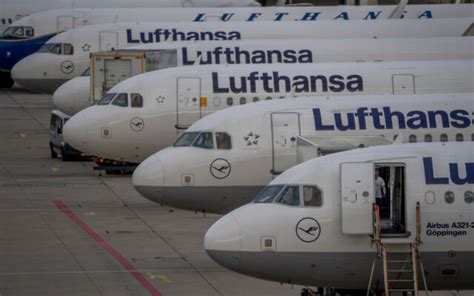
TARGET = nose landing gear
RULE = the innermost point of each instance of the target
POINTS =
(6, 80)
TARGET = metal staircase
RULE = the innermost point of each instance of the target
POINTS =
(400, 272)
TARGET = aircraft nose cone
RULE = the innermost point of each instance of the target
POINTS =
(222, 242)
(75, 132)
(72, 96)
(32, 73)
(148, 179)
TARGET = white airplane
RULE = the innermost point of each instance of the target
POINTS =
(13, 10)
(125, 124)
(69, 52)
(316, 224)
(74, 95)
(256, 142)
(27, 35)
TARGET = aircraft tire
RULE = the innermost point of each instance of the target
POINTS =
(53, 154)
(6, 80)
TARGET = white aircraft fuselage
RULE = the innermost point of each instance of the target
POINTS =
(309, 242)
(264, 139)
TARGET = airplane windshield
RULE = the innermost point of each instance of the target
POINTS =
(290, 196)
(18, 32)
(268, 194)
(57, 48)
(186, 139)
(106, 99)
(204, 141)
(87, 72)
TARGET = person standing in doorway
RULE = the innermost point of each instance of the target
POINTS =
(380, 193)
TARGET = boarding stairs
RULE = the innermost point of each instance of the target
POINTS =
(401, 272)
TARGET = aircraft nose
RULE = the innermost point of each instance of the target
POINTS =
(148, 179)
(63, 98)
(75, 132)
(222, 242)
(31, 73)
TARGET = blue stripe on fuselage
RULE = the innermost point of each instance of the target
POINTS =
(13, 51)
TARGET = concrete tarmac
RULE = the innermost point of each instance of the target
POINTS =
(65, 230)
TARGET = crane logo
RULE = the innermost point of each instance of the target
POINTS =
(137, 124)
(67, 67)
(308, 230)
(220, 168)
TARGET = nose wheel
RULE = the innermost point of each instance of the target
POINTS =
(6, 80)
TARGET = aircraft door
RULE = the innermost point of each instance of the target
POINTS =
(403, 84)
(285, 128)
(65, 23)
(188, 108)
(357, 197)
(115, 72)
(108, 41)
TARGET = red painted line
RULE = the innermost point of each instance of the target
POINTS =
(112, 251)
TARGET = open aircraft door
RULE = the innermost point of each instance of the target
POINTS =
(403, 84)
(65, 23)
(357, 197)
(285, 128)
(188, 108)
(108, 41)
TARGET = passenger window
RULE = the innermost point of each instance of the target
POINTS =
(469, 197)
(255, 99)
(312, 196)
(106, 99)
(268, 194)
(459, 138)
(68, 49)
(449, 197)
(290, 196)
(412, 139)
(121, 100)
(443, 138)
(204, 141)
(243, 101)
(137, 100)
(186, 139)
(223, 141)
(428, 138)
(3, 21)
(230, 101)
(10, 21)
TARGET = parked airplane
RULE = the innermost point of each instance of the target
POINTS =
(314, 224)
(27, 35)
(69, 52)
(75, 95)
(124, 125)
(223, 160)
(13, 10)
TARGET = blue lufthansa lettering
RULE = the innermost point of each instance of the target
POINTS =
(454, 174)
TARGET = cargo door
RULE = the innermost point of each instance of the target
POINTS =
(115, 71)
(108, 41)
(285, 128)
(403, 84)
(357, 197)
(188, 105)
(65, 23)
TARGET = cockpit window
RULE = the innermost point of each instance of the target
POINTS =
(223, 141)
(106, 99)
(137, 100)
(18, 32)
(268, 194)
(57, 48)
(312, 196)
(121, 100)
(204, 141)
(186, 139)
(290, 196)
(87, 72)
